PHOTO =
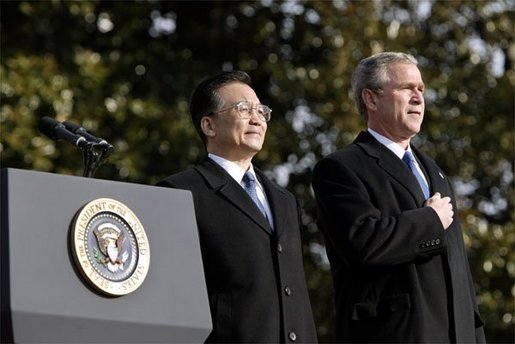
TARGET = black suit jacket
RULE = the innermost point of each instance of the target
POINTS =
(398, 276)
(255, 277)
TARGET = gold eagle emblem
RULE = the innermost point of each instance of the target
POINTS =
(111, 244)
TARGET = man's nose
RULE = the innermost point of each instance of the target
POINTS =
(417, 97)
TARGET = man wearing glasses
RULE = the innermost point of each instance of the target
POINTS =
(249, 227)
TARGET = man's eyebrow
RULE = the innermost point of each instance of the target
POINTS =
(411, 84)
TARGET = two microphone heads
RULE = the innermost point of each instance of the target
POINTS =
(72, 133)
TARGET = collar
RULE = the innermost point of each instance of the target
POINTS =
(234, 170)
(394, 147)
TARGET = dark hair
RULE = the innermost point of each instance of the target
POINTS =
(205, 98)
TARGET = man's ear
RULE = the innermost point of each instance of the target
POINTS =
(369, 99)
(207, 126)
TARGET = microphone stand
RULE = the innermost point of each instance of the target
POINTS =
(94, 155)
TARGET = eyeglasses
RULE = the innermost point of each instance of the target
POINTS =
(245, 110)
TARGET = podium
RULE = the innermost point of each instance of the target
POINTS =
(45, 292)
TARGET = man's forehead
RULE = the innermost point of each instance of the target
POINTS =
(404, 72)
(236, 91)
(402, 67)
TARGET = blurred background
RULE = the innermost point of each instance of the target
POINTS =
(125, 70)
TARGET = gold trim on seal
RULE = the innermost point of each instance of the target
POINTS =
(110, 247)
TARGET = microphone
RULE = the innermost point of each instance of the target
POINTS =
(77, 129)
(56, 130)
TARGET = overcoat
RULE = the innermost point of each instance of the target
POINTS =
(255, 276)
(398, 275)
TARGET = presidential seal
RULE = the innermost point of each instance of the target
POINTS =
(110, 247)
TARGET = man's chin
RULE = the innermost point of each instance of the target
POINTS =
(253, 149)
(255, 145)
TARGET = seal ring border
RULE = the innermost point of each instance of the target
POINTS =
(79, 236)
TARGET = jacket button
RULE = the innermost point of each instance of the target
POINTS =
(433, 242)
(437, 241)
(422, 245)
(287, 291)
(292, 336)
(279, 248)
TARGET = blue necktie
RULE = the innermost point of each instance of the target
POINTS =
(250, 186)
(409, 159)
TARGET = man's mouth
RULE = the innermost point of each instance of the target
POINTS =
(253, 133)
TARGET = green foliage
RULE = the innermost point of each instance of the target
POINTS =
(125, 71)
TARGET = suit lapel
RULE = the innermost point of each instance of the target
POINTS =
(226, 187)
(437, 179)
(392, 165)
(277, 199)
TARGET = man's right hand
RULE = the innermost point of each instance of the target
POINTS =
(443, 208)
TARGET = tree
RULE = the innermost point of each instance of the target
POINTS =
(125, 70)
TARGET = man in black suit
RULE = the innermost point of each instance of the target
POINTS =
(393, 236)
(251, 248)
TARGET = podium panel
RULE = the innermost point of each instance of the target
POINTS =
(46, 299)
